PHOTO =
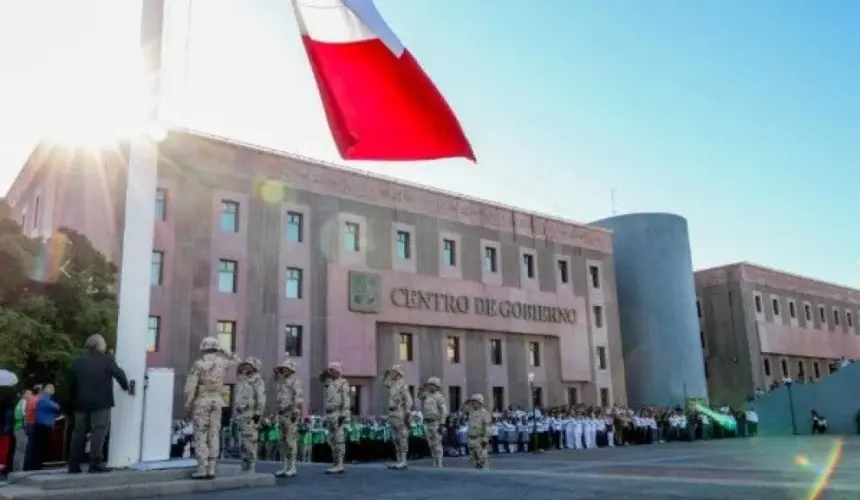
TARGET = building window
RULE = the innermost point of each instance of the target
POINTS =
(454, 398)
(698, 308)
(355, 399)
(229, 217)
(598, 316)
(227, 335)
(152, 334)
(783, 367)
(822, 315)
(832, 367)
(529, 265)
(227, 270)
(572, 396)
(757, 299)
(807, 312)
(816, 370)
(594, 273)
(801, 370)
(295, 227)
(496, 351)
(604, 397)
(352, 237)
(453, 349)
(294, 283)
(792, 310)
(498, 398)
(775, 304)
(293, 340)
(160, 204)
(36, 213)
(491, 264)
(836, 317)
(705, 366)
(449, 252)
(534, 354)
(848, 319)
(156, 270)
(406, 347)
(537, 397)
(563, 272)
(601, 357)
(767, 367)
(404, 245)
(702, 337)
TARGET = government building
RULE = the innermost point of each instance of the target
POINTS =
(278, 255)
(759, 326)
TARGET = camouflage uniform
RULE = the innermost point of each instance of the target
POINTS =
(479, 431)
(399, 407)
(204, 398)
(290, 401)
(435, 412)
(337, 403)
(248, 406)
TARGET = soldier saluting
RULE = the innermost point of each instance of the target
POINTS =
(248, 406)
(435, 411)
(204, 398)
(336, 405)
(290, 401)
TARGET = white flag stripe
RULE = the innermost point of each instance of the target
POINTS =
(331, 21)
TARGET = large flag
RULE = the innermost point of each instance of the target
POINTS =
(379, 103)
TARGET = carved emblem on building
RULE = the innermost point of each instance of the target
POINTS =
(364, 291)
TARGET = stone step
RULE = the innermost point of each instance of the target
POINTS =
(59, 480)
(97, 489)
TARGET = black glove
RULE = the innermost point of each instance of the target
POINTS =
(256, 419)
(340, 421)
(294, 418)
(484, 442)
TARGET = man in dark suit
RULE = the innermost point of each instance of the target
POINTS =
(92, 376)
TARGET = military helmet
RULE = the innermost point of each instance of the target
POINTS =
(398, 370)
(210, 344)
(336, 366)
(287, 364)
(434, 381)
(477, 398)
(253, 362)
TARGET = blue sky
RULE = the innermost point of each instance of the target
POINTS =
(742, 116)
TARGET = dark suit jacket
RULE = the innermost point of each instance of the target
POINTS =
(92, 379)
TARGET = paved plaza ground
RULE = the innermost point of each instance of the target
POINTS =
(760, 468)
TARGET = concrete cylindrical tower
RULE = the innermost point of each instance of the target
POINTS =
(662, 350)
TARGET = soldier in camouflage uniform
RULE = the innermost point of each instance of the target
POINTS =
(435, 412)
(479, 431)
(248, 407)
(204, 398)
(290, 400)
(336, 405)
(399, 408)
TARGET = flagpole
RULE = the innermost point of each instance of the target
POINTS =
(138, 231)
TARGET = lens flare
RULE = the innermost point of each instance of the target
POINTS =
(824, 472)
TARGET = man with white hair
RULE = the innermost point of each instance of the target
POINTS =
(91, 389)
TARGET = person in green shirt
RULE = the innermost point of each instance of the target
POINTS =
(21, 439)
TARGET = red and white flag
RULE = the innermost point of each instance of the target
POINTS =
(379, 103)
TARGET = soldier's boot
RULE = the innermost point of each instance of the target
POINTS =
(246, 465)
(437, 462)
(289, 470)
(200, 473)
(337, 466)
(210, 469)
(401, 462)
(252, 466)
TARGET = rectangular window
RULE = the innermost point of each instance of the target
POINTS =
(227, 270)
(563, 272)
(156, 270)
(792, 311)
(498, 398)
(355, 399)
(160, 204)
(496, 351)
(601, 357)
(822, 315)
(816, 369)
(404, 245)
(449, 252)
(152, 334)
(454, 398)
(783, 367)
(406, 347)
(293, 340)
(295, 227)
(767, 367)
(698, 308)
(352, 237)
(848, 319)
(801, 370)
(775, 303)
(758, 307)
(229, 216)
(227, 335)
(807, 312)
(572, 396)
(537, 397)
(836, 317)
(702, 337)
(294, 283)
(453, 349)
(598, 316)
(36, 213)
(529, 266)
(604, 397)
(594, 273)
(534, 354)
(491, 264)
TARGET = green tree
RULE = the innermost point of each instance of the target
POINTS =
(53, 295)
